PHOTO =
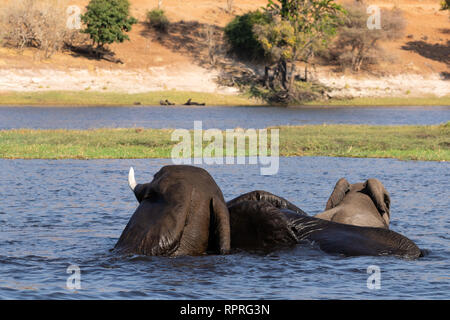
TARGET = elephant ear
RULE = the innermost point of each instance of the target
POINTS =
(219, 226)
(143, 191)
(380, 197)
(338, 194)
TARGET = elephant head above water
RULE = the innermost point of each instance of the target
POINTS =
(263, 221)
(181, 212)
(361, 204)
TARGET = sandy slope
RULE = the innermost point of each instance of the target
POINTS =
(402, 85)
(191, 78)
(420, 59)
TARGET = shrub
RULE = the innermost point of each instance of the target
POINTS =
(300, 92)
(230, 4)
(38, 24)
(157, 19)
(357, 46)
(243, 41)
(212, 40)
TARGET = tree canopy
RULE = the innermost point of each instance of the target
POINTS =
(107, 21)
(299, 28)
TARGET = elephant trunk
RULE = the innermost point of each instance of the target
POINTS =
(351, 240)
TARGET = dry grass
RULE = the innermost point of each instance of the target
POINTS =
(39, 24)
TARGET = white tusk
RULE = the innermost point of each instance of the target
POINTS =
(131, 181)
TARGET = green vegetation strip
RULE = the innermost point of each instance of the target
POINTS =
(430, 143)
(88, 98)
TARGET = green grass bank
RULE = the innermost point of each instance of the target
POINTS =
(430, 143)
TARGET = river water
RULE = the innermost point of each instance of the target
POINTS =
(213, 117)
(60, 213)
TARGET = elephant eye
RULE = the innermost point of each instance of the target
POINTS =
(152, 196)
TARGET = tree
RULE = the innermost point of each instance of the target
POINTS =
(107, 21)
(241, 36)
(358, 45)
(298, 30)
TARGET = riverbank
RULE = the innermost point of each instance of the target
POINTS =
(88, 98)
(429, 143)
(153, 65)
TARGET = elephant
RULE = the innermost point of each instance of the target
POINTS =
(260, 220)
(361, 204)
(181, 212)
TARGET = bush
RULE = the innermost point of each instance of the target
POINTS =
(242, 39)
(157, 19)
(357, 46)
(300, 93)
(38, 24)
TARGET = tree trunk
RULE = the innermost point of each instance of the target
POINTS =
(280, 79)
(267, 80)
(306, 72)
(284, 8)
(282, 68)
(292, 77)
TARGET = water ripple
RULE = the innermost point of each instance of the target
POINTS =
(69, 212)
(212, 117)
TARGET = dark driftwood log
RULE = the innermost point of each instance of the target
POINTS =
(191, 103)
(166, 103)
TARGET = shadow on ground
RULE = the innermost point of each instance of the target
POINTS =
(202, 42)
(438, 52)
(205, 44)
(86, 51)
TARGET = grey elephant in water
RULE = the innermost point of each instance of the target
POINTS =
(361, 204)
(263, 221)
(181, 212)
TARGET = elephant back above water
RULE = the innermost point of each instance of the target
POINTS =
(263, 221)
(181, 212)
(361, 204)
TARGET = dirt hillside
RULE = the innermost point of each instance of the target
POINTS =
(423, 51)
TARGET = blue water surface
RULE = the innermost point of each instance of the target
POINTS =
(213, 117)
(58, 213)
